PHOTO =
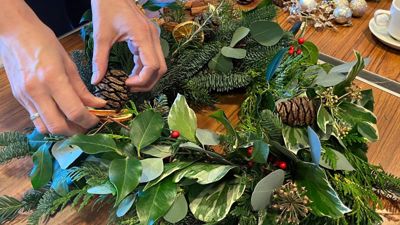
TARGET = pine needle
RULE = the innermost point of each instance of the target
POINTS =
(9, 208)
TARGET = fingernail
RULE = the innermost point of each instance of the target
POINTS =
(94, 78)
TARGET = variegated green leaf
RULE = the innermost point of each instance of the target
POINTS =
(204, 173)
(323, 118)
(183, 119)
(169, 169)
(295, 138)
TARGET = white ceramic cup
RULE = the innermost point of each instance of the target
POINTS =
(392, 22)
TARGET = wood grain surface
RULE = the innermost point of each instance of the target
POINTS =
(14, 180)
(340, 44)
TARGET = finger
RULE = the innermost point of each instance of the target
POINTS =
(101, 51)
(138, 65)
(40, 126)
(156, 38)
(71, 105)
(86, 97)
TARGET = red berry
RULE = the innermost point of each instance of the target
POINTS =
(291, 51)
(298, 52)
(250, 164)
(175, 134)
(291, 47)
(301, 41)
(282, 165)
(250, 151)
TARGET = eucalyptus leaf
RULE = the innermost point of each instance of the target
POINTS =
(203, 173)
(169, 169)
(146, 128)
(93, 144)
(65, 154)
(214, 202)
(260, 151)
(178, 210)
(266, 33)
(324, 199)
(164, 47)
(235, 53)
(207, 137)
(102, 189)
(323, 118)
(368, 130)
(261, 196)
(341, 162)
(325, 79)
(315, 145)
(42, 170)
(155, 202)
(295, 138)
(125, 205)
(221, 63)
(239, 34)
(124, 174)
(182, 118)
(160, 151)
(151, 169)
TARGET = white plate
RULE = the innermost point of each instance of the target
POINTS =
(383, 35)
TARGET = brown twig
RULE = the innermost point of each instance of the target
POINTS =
(101, 127)
(119, 123)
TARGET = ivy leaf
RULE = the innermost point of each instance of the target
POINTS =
(159, 151)
(124, 174)
(169, 169)
(207, 137)
(311, 51)
(65, 154)
(261, 196)
(323, 118)
(93, 144)
(146, 128)
(125, 205)
(260, 152)
(274, 64)
(368, 130)
(221, 117)
(295, 138)
(266, 33)
(178, 210)
(182, 118)
(203, 173)
(164, 47)
(156, 201)
(214, 202)
(341, 162)
(151, 169)
(235, 53)
(324, 199)
(239, 34)
(102, 189)
(221, 63)
(315, 145)
(42, 170)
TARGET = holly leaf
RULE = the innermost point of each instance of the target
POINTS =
(260, 151)
(42, 170)
(65, 154)
(124, 174)
(151, 169)
(235, 53)
(203, 173)
(221, 63)
(125, 205)
(239, 34)
(178, 210)
(93, 144)
(315, 145)
(169, 169)
(266, 33)
(261, 196)
(146, 128)
(183, 119)
(156, 201)
(207, 137)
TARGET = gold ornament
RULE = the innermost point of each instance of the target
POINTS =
(186, 30)
(358, 7)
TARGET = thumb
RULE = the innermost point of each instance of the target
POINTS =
(101, 53)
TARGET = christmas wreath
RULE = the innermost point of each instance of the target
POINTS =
(297, 156)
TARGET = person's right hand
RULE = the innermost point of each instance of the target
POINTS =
(44, 79)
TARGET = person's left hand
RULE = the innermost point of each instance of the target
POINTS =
(122, 20)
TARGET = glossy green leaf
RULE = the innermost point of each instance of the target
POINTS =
(274, 64)
(323, 118)
(169, 169)
(239, 34)
(315, 145)
(159, 151)
(42, 170)
(146, 128)
(207, 137)
(311, 50)
(295, 138)
(261, 196)
(151, 169)
(214, 202)
(340, 89)
(155, 202)
(102, 189)
(124, 174)
(65, 154)
(221, 63)
(93, 144)
(341, 162)
(354, 114)
(368, 130)
(221, 117)
(235, 53)
(164, 47)
(324, 199)
(125, 205)
(203, 173)
(266, 33)
(260, 151)
(183, 119)
(325, 79)
(178, 210)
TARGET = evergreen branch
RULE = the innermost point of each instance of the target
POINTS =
(13, 145)
(9, 208)
(272, 124)
(11, 137)
(45, 208)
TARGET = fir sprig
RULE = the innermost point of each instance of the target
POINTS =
(9, 208)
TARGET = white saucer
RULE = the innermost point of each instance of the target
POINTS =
(382, 34)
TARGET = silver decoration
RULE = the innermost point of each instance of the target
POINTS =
(358, 7)
(342, 14)
(341, 2)
(308, 4)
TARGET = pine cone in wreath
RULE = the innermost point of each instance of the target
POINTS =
(113, 89)
(298, 111)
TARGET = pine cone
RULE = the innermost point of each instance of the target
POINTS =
(298, 111)
(113, 89)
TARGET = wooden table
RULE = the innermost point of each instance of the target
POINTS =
(14, 179)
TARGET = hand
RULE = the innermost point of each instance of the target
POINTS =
(122, 20)
(43, 78)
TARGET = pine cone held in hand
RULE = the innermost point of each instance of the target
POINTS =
(113, 89)
(298, 111)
